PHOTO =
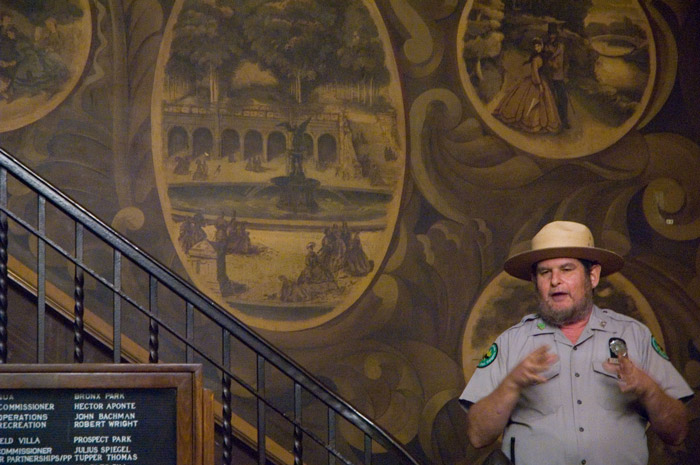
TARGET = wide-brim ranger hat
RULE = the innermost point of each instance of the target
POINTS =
(562, 239)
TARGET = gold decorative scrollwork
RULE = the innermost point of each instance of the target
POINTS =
(663, 199)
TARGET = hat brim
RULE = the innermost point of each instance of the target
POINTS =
(520, 265)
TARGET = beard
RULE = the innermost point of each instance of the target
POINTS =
(578, 311)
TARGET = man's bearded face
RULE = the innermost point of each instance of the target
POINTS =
(565, 290)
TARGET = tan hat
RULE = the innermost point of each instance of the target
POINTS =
(562, 239)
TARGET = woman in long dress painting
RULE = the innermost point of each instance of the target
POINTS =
(530, 105)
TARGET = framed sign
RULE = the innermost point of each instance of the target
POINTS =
(104, 414)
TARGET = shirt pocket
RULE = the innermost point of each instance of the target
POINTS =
(541, 399)
(607, 390)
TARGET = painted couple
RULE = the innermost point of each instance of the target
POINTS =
(537, 104)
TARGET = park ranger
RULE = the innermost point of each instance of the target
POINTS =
(574, 383)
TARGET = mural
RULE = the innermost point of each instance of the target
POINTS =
(42, 55)
(280, 162)
(351, 188)
(557, 80)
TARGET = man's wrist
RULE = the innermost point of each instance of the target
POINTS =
(510, 387)
(650, 392)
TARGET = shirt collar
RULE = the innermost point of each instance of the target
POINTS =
(599, 321)
(540, 327)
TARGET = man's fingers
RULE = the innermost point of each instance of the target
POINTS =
(626, 366)
(544, 359)
(540, 351)
(611, 368)
(539, 360)
(543, 355)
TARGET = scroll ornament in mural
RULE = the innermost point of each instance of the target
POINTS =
(457, 164)
(278, 153)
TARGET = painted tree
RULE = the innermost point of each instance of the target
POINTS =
(38, 11)
(294, 39)
(483, 38)
(571, 14)
(361, 57)
(203, 43)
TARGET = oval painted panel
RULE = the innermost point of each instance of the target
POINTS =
(279, 151)
(556, 80)
(42, 58)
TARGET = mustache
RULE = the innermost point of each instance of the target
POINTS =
(578, 311)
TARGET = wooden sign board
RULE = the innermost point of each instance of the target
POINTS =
(104, 414)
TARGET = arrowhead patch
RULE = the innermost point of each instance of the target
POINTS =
(659, 350)
(489, 356)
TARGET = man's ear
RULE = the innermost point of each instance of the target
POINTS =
(533, 277)
(595, 274)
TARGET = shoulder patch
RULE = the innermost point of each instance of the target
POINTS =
(659, 350)
(489, 356)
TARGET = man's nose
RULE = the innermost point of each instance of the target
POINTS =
(555, 278)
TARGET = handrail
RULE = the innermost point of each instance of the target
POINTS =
(196, 303)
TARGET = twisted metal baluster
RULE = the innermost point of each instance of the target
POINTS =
(226, 399)
(117, 308)
(79, 296)
(189, 330)
(368, 449)
(3, 268)
(41, 281)
(331, 435)
(298, 436)
(152, 323)
(262, 424)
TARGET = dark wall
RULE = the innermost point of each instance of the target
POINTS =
(471, 190)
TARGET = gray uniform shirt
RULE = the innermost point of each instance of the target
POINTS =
(579, 416)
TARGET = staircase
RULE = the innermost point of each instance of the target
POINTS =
(71, 266)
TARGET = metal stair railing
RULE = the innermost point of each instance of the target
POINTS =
(176, 312)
